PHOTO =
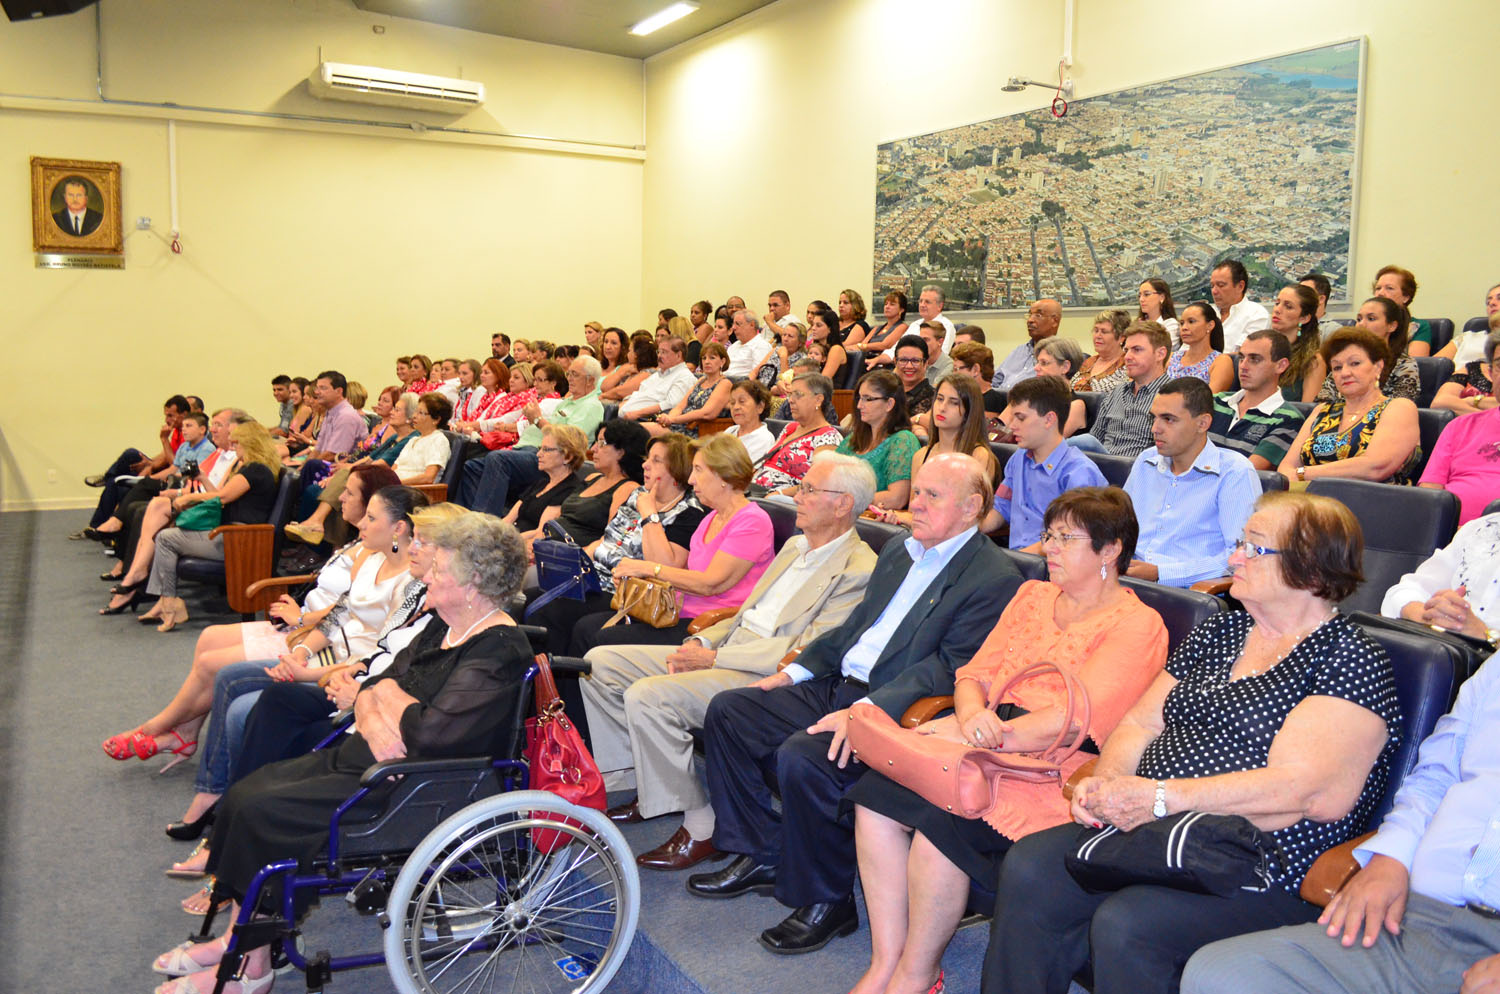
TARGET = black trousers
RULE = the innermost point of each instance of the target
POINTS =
(287, 721)
(110, 497)
(1046, 927)
(757, 744)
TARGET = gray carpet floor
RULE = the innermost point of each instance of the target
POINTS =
(86, 906)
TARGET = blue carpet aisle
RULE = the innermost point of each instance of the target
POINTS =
(86, 904)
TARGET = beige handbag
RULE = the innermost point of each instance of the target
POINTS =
(647, 600)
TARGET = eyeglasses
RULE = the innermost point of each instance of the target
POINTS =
(1252, 551)
(807, 488)
(797, 396)
(548, 448)
(1061, 538)
(909, 361)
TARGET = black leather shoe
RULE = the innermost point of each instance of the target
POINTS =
(740, 877)
(811, 927)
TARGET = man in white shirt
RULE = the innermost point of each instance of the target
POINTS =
(930, 307)
(667, 384)
(1457, 587)
(1227, 283)
(748, 347)
(644, 701)
(778, 316)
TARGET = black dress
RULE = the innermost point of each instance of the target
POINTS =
(584, 518)
(533, 501)
(467, 703)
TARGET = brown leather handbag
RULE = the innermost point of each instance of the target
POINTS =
(962, 778)
(647, 600)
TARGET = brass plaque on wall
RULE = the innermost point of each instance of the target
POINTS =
(70, 260)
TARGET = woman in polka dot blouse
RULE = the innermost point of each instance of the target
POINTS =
(1285, 714)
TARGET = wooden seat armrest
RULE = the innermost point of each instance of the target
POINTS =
(272, 582)
(1218, 586)
(436, 493)
(788, 660)
(1331, 871)
(230, 532)
(710, 618)
(1086, 770)
(925, 709)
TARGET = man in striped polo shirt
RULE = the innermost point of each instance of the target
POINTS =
(1255, 420)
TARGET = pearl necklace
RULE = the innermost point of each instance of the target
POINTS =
(448, 641)
(1288, 651)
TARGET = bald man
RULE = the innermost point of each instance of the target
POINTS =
(1042, 321)
(930, 602)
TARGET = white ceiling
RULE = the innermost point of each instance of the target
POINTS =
(594, 25)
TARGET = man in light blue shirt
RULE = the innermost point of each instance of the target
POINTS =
(1191, 497)
(1044, 466)
(1422, 914)
(1042, 321)
(929, 603)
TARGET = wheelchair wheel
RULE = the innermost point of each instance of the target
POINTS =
(519, 892)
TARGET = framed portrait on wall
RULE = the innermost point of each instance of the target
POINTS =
(75, 206)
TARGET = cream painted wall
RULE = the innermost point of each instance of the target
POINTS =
(763, 135)
(305, 246)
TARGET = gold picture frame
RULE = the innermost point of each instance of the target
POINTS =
(59, 188)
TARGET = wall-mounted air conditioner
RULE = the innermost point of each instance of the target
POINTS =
(393, 88)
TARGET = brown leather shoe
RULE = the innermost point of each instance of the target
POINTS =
(625, 814)
(678, 853)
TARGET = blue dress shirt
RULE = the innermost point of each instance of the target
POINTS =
(926, 565)
(1019, 365)
(1029, 486)
(1189, 523)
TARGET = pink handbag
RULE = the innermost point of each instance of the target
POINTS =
(963, 778)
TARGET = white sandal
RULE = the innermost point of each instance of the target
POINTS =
(178, 961)
(187, 985)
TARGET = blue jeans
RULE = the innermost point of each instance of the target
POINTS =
(490, 484)
(236, 689)
(1087, 443)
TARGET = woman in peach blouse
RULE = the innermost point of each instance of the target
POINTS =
(916, 860)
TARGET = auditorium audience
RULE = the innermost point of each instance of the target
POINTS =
(1202, 353)
(1155, 298)
(1105, 369)
(664, 386)
(1285, 713)
(1191, 496)
(327, 494)
(705, 402)
(644, 702)
(786, 734)
(133, 462)
(930, 303)
(882, 438)
(1400, 285)
(483, 404)
(1387, 319)
(1471, 387)
(916, 860)
(1227, 285)
(1122, 425)
(1465, 460)
(1363, 435)
(1255, 420)
(1043, 467)
(1295, 317)
(786, 462)
(643, 359)
(1042, 320)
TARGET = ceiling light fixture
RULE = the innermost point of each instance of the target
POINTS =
(662, 18)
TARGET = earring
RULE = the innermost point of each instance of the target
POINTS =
(395, 546)
(1103, 571)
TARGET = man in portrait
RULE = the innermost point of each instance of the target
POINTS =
(77, 218)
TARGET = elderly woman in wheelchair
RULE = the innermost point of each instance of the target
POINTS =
(455, 691)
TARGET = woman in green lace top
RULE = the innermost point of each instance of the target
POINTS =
(882, 437)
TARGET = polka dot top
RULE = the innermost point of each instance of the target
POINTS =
(1213, 726)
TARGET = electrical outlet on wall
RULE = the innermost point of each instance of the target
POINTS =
(143, 224)
(51, 476)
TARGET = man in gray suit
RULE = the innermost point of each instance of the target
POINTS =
(645, 701)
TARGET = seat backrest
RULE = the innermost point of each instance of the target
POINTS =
(1116, 469)
(1003, 451)
(1030, 565)
(1181, 609)
(1432, 372)
(1492, 507)
(611, 410)
(452, 472)
(288, 492)
(843, 403)
(776, 426)
(877, 533)
(1442, 332)
(1090, 400)
(1234, 358)
(1481, 323)
(783, 518)
(853, 370)
(1402, 527)
(1430, 424)
(1426, 671)
(1270, 480)
(1302, 408)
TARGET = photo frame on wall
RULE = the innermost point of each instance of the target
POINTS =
(75, 207)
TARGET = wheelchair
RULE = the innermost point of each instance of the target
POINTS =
(478, 883)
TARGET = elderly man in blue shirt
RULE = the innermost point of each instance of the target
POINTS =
(1191, 497)
(1044, 465)
(1422, 913)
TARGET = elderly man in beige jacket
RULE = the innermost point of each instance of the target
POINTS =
(644, 702)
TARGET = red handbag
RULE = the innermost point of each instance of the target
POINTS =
(963, 778)
(559, 761)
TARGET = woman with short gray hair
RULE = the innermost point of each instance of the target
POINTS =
(787, 462)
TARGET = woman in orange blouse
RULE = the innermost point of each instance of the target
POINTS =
(916, 860)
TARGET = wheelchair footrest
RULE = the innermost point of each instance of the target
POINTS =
(319, 971)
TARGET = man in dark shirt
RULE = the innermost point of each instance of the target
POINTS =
(1255, 420)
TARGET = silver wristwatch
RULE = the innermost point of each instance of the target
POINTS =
(1159, 809)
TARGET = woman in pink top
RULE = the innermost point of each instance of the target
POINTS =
(730, 550)
(1466, 458)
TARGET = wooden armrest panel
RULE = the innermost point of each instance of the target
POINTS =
(713, 426)
(710, 618)
(1218, 586)
(436, 493)
(788, 660)
(278, 582)
(1086, 770)
(1331, 871)
(925, 709)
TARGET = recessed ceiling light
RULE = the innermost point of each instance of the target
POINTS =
(662, 18)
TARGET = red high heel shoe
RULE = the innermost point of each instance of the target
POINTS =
(145, 746)
(119, 746)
